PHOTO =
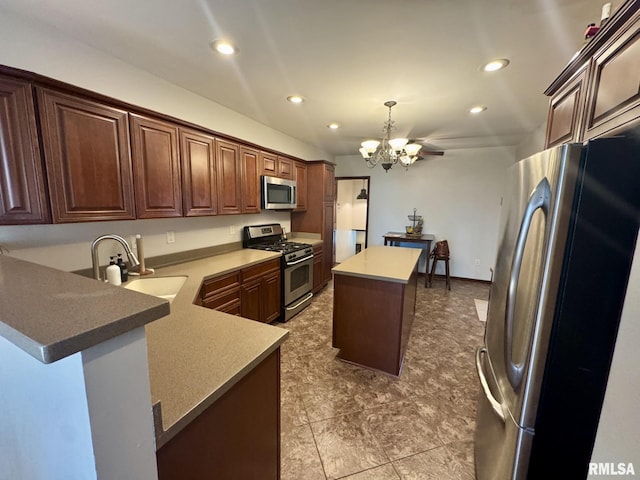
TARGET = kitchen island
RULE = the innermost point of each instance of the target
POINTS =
(373, 306)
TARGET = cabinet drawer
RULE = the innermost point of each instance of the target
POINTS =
(260, 270)
(225, 302)
(215, 286)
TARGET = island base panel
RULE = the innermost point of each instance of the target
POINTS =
(236, 437)
(372, 321)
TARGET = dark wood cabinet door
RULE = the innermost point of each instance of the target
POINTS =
(228, 177)
(156, 168)
(23, 197)
(329, 183)
(197, 154)
(614, 93)
(269, 164)
(250, 176)
(318, 270)
(327, 238)
(86, 148)
(251, 300)
(271, 297)
(566, 109)
(285, 168)
(300, 176)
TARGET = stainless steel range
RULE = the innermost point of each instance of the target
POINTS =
(297, 265)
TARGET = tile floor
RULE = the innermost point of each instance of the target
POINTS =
(340, 421)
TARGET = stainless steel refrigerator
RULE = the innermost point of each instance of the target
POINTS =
(568, 233)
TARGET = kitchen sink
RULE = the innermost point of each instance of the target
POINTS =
(162, 287)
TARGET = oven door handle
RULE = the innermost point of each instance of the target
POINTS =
(306, 298)
(299, 261)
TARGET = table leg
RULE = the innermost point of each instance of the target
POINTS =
(426, 268)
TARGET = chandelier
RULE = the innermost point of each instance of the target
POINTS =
(390, 151)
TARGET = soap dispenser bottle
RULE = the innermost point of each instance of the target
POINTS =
(113, 273)
(124, 272)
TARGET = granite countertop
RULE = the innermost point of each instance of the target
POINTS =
(51, 314)
(197, 354)
(390, 264)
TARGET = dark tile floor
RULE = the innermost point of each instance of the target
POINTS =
(340, 421)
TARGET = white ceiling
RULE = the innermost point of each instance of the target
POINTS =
(346, 58)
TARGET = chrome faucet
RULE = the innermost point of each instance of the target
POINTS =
(94, 253)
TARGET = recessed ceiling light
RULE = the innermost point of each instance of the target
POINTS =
(333, 126)
(295, 99)
(495, 65)
(224, 47)
(477, 109)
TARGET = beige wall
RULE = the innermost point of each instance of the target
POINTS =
(458, 196)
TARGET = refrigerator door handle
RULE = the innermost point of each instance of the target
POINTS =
(495, 405)
(540, 199)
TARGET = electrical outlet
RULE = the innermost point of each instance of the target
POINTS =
(477, 262)
(232, 230)
(171, 236)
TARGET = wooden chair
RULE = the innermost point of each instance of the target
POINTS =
(440, 252)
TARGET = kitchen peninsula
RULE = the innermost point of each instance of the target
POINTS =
(104, 357)
(373, 306)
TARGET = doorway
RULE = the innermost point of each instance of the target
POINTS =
(352, 216)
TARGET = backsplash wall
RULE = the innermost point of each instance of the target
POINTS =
(67, 247)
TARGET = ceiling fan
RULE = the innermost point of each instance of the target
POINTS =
(427, 149)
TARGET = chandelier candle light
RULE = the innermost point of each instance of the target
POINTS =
(390, 151)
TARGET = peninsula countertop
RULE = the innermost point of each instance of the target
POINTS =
(51, 314)
(197, 354)
(390, 264)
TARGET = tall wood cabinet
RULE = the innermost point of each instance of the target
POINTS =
(598, 92)
(319, 216)
(86, 149)
(156, 167)
(23, 197)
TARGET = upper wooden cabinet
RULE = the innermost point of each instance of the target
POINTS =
(329, 183)
(86, 148)
(276, 165)
(156, 167)
(269, 164)
(250, 183)
(229, 177)
(614, 94)
(300, 176)
(598, 92)
(23, 196)
(197, 154)
(566, 110)
(285, 167)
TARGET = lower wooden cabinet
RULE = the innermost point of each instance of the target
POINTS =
(261, 291)
(318, 269)
(253, 293)
(238, 437)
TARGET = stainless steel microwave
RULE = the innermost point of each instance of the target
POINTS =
(278, 193)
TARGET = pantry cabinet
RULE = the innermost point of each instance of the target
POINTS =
(86, 150)
(598, 93)
(156, 167)
(319, 216)
(197, 154)
(23, 198)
